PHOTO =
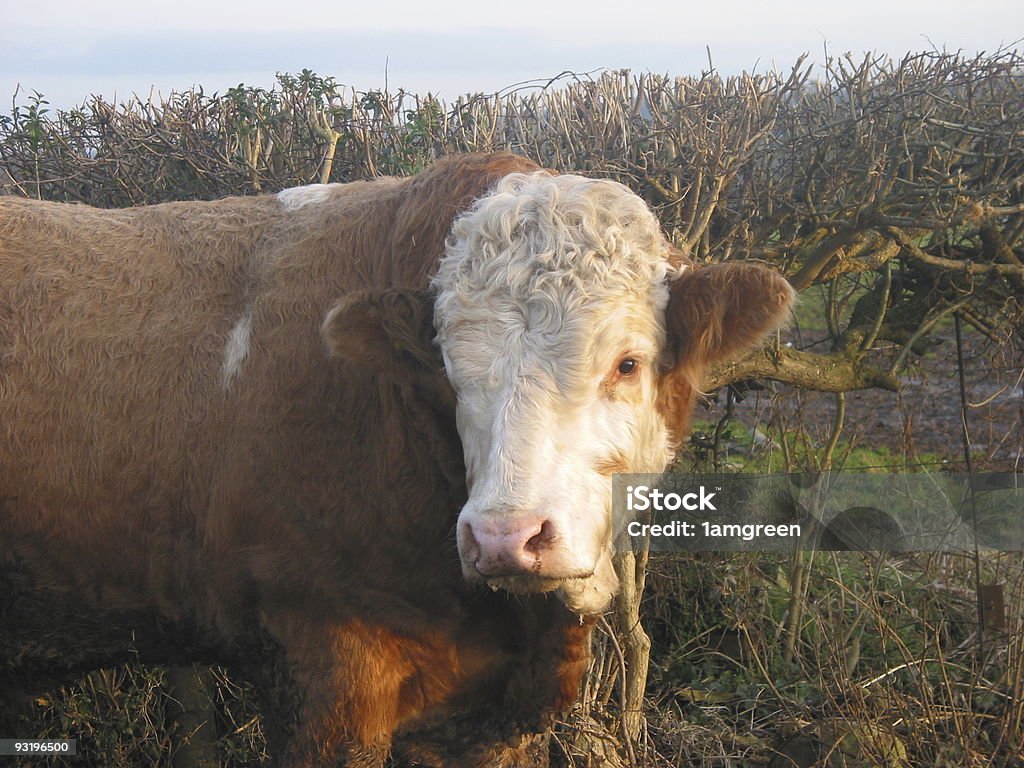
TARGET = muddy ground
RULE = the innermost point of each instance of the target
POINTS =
(921, 424)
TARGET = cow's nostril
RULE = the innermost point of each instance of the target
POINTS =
(541, 540)
(469, 545)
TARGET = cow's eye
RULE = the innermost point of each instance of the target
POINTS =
(628, 367)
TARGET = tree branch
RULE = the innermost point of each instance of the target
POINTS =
(824, 373)
(955, 265)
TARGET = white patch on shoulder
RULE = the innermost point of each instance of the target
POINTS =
(236, 349)
(299, 197)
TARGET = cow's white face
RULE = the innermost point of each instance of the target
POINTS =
(551, 299)
(574, 341)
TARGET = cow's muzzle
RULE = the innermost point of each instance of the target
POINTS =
(516, 546)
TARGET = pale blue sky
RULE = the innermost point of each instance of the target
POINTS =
(68, 49)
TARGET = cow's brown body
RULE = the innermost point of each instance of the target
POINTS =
(304, 495)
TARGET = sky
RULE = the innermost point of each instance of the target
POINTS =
(71, 49)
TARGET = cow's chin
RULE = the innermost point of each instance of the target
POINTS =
(586, 596)
(593, 594)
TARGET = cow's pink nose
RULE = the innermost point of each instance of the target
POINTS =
(513, 547)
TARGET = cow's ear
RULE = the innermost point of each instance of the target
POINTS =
(389, 331)
(714, 313)
(721, 311)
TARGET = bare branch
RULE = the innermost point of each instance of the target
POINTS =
(825, 373)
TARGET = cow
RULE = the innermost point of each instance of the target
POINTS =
(375, 422)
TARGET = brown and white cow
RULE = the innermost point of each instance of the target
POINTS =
(235, 415)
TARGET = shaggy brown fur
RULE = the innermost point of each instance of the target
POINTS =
(312, 493)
